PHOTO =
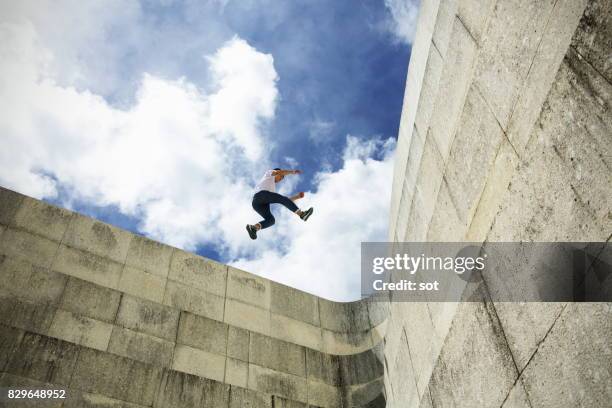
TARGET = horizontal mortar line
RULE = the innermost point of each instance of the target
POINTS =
(348, 386)
(58, 306)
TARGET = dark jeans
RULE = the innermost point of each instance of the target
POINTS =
(261, 203)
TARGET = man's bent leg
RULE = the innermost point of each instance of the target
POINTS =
(281, 199)
(263, 209)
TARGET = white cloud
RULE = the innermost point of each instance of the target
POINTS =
(80, 34)
(182, 157)
(404, 15)
(322, 256)
(170, 159)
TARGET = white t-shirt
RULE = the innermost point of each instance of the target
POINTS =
(267, 182)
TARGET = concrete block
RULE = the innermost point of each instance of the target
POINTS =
(344, 317)
(9, 381)
(116, 377)
(141, 347)
(277, 355)
(293, 303)
(453, 87)
(142, 284)
(44, 359)
(27, 281)
(478, 138)
(279, 402)
(577, 123)
(245, 398)
(420, 334)
(248, 288)
(366, 394)
(378, 333)
(238, 343)
(442, 316)
(543, 71)
(428, 182)
(30, 316)
(23, 245)
(236, 372)
(444, 25)
(323, 367)
(548, 202)
(273, 382)
(324, 395)
(194, 300)
(426, 400)
(418, 219)
(507, 51)
(428, 12)
(592, 37)
(149, 255)
(405, 205)
(80, 330)
(429, 90)
(148, 317)
(525, 326)
(79, 399)
(581, 376)
(491, 198)
(87, 266)
(474, 14)
(360, 368)
(517, 398)
(91, 300)
(10, 337)
(183, 390)
(42, 219)
(198, 362)
(295, 331)
(446, 224)
(403, 377)
(490, 374)
(202, 273)
(247, 317)
(203, 333)
(345, 343)
(378, 311)
(98, 238)
(10, 202)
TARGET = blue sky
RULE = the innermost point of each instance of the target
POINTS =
(159, 116)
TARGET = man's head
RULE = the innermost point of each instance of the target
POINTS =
(278, 177)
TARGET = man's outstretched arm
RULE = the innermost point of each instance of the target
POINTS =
(297, 196)
(285, 172)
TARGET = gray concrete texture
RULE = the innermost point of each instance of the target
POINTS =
(505, 136)
(121, 320)
(508, 138)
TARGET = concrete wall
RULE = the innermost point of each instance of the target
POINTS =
(121, 320)
(506, 135)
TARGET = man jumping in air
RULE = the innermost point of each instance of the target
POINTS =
(266, 194)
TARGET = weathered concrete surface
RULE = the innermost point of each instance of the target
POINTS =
(510, 139)
(122, 321)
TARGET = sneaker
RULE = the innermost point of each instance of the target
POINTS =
(252, 231)
(306, 214)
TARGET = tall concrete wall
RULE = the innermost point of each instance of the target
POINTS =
(506, 135)
(122, 321)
